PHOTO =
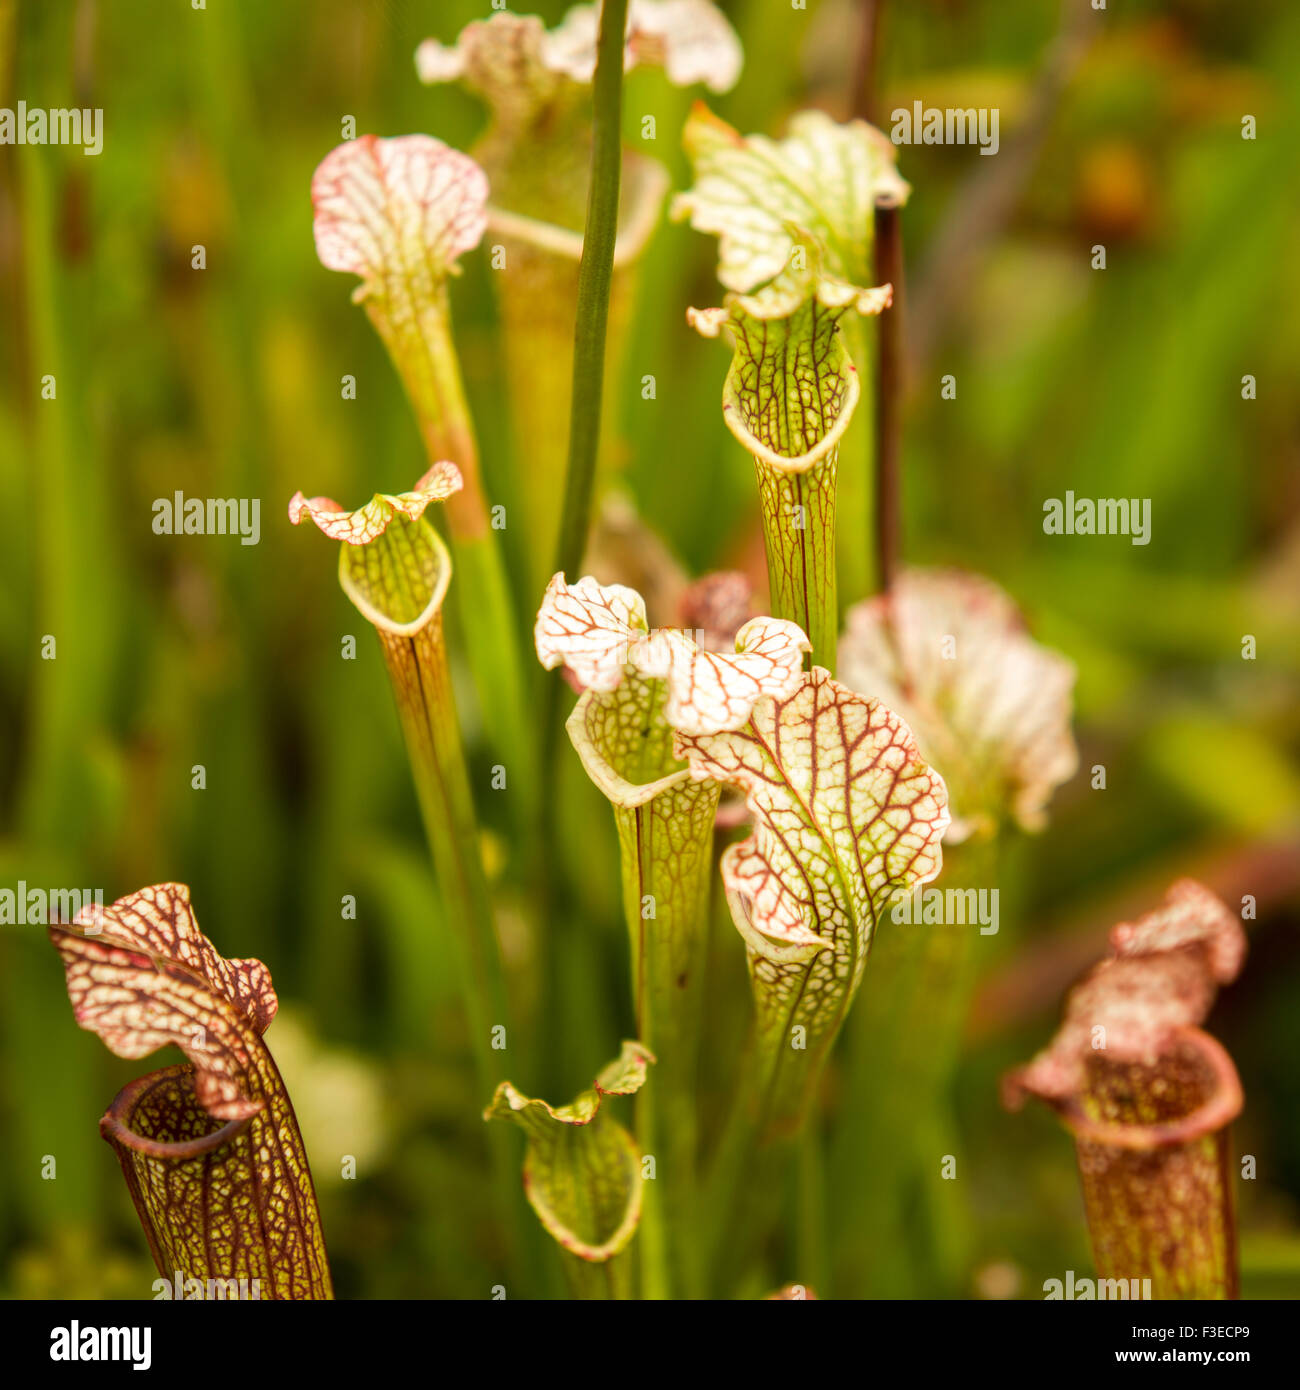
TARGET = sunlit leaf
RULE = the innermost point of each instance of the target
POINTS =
(759, 197)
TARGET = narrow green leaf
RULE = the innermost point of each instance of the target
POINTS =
(395, 569)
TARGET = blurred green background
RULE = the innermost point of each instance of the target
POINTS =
(224, 382)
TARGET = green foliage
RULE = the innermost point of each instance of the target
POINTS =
(175, 652)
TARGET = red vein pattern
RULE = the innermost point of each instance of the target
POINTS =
(790, 381)
(599, 633)
(397, 207)
(847, 815)
(1149, 1098)
(589, 628)
(211, 1152)
(371, 520)
(790, 393)
(1163, 975)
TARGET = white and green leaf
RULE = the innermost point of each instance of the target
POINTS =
(991, 707)
(847, 815)
(600, 633)
(758, 196)
(399, 213)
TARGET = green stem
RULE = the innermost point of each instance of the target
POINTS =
(810, 1208)
(594, 278)
(665, 830)
(799, 537)
(420, 343)
(595, 274)
(604, 1280)
(742, 1198)
(749, 1172)
(537, 292)
(421, 678)
(483, 592)
(667, 857)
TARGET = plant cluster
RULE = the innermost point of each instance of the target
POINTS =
(811, 762)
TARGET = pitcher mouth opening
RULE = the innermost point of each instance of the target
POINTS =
(1194, 1066)
(117, 1120)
